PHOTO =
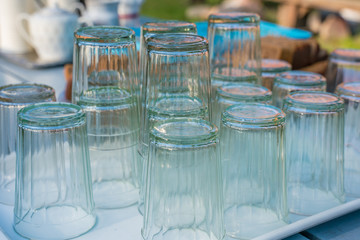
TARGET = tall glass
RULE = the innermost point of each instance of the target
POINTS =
(12, 99)
(183, 193)
(350, 92)
(314, 151)
(296, 81)
(253, 165)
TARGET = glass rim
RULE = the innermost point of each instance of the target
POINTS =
(47, 93)
(173, 42)
(105, 34)
(36, 115)
(159, 134)
(168, 26)
(334, 101)
(346, 54)
(234, 17)
(104, 96)
(347, 91)
(292, 78)
(274, 65)
(276, 118)
(264, 95)
(244, 76)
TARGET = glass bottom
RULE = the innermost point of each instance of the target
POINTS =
(7, 192)
(55, 222)
(183, 234)
(307, 201)
(248, 222)
(115, 194)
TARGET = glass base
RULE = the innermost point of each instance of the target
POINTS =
(56, 222)
(7, 193)
(248, 222)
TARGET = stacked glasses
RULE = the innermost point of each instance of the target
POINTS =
(253, 169)
(177, 83)
(12, 99)
(350, 92)
(296, 81)
(344, 66)
(105, 85)
(314, 151)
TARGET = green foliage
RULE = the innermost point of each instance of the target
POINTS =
(351, 42)
(165, 9)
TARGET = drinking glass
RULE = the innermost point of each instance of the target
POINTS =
(350, 92)
(12, 99)
(344, 66)
(253, 165)
(183, 192)
(177, 84)
(53, 178)
(113, 138)
(314, 151)
(231, 94)
(296, 81)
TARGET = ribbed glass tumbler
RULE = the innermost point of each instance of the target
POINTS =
(232, 94)
(296, 81)
(183, 197)
(314, 151)
(344, 66)
(113, 136)
(53, 178)
(350, 92)
(104, 56)
(234, 41)
(12, 99)
(177, 84)
(253, 166)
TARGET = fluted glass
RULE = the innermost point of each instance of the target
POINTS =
(253, 165)
(270, 68)
(296, 81)
(113, 137)
(314, 151)
(183, 193)
(12, 99)
(350, 92)
(53, 178)
(231, 94)
(344, 66)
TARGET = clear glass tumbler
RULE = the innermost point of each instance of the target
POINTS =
(12, 99)
(253, 166)
(183, 192)
(314, 151)
(234, 41)
(53, 178)
(232, 94)
(296, 81)
(344, 66)
(104, 56)
(113, 137)
(177, 84)
(350, 92)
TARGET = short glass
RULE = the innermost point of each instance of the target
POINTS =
(53, 178)
(232, 94)
(183, 192)
(253, 165)
(350, 92)
(314, 151)
(296, 81)
(344, 66)
(12, 99)
(113, 137)
(234, 41)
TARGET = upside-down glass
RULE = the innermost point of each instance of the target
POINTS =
(177, 84)
(231, 94)
(314, 151)
(104, 56)
(344, 66)
(12, 99)
(253, 165)
(234, 41)
(53, 178)
(291, 81)
(183, 193)
(113, 138)
(350, 92)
